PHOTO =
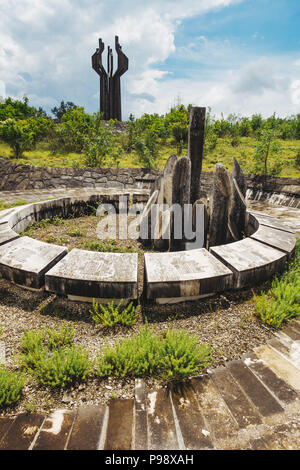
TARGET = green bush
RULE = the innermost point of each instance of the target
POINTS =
(52, 358)
(282, 302)
(175, 357)
(62, 366)
(11, 385)
(182, 356)
(136, 357)
(111, 314)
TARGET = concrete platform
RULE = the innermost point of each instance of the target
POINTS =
(251, 261)
(270, 221)
(184, 275)
(284, 241)
(7, 234)
(25, 261)
(84, 275)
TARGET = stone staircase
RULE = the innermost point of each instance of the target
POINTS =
(253, 403)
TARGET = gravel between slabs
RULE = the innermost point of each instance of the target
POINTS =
(226, 322)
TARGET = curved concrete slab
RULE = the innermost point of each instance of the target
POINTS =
(184, 275)
(84, 275)
(25, 261)
(251, 261)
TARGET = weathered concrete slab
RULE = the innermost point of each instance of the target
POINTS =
(91, 275)
(254, 389)
(25, 261)
(22, 432)
(282, 367)
(5, 424)
(270, 221)
(120, 425)
(221, 423)
(274, 383)
(251, 261)
(7, 234)
(55, 431)
(184, 274)
(279, 239)
(141, 425)
(162, 431)
(87, 428)
(241, 408)
(192, 426)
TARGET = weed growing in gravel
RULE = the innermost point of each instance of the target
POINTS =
(52, 358)
(282, 302)
(11, 385)
(175, 357)
(111, 315)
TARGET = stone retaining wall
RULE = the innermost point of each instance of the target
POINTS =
(14, 176)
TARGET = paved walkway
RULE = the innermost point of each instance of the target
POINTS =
(252, 403)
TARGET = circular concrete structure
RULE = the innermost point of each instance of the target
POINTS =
(169, 277)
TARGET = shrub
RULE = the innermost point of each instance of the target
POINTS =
(22, 135)
(111, 314)
(50, 356)
(62, 366)
(182, 356)
(11, 385)
(282, 302)
(175, 357)
(136, 357)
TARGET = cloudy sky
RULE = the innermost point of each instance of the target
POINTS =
(236, 56)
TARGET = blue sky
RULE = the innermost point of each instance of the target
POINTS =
(236, 56)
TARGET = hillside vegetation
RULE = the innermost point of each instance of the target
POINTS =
(75, 138)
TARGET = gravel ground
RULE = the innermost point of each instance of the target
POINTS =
(226, 322)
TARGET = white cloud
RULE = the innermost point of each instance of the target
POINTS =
(46, 45)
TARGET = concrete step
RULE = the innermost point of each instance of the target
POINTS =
(162, 433)
(278, 387)
(119, 435)
(254, 389)
(235, 398)
(55, 432)
(88, 428)
(21, 433)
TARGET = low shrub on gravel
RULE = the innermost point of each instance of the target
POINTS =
(173, 357)
(282, 302)
(52, 358)
(11, 385)
(111, 315)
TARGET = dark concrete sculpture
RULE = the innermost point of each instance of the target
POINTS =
(110, 83)
(181, 189)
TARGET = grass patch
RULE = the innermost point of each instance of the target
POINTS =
(51, 357)
(11, 385)
(173, 357)
(111, 315)
(6, 205)
(282, 302)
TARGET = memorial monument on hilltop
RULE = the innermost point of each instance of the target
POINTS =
(110, 83)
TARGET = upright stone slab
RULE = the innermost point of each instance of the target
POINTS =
(218, 227)
(25, 261)
(164, 203)
(168, 179)
(195, 149)
(85, 275)
(237, 211)
(146, 227)
(181, 187)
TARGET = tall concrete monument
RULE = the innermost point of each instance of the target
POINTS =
(110, 83)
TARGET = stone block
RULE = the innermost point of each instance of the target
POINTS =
(284, 241)
(25, 261)
(85, 275)
(251, 261)
(185, 275)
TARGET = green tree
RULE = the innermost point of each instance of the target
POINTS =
(266, 148)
